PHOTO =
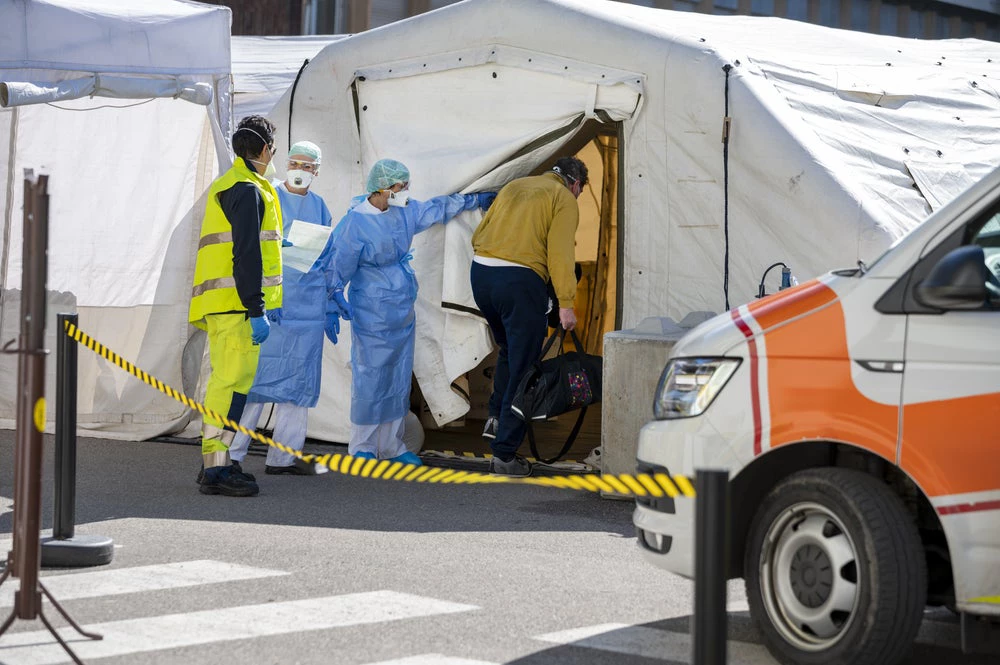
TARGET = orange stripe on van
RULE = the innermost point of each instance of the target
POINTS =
(810, 390)
(947, 450)
(790, 303)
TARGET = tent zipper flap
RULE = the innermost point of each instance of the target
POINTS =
(545, 139)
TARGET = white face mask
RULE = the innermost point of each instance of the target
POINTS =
(399, 199)
(269, 170)
(299, 179)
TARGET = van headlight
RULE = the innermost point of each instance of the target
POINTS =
(688, 386)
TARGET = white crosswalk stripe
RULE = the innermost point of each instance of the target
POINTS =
(432, 659)
(117, 581)
(223, 624)
(651, 643)
(157, 633)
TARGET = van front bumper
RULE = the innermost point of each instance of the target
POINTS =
(665, 530)
(665, 526)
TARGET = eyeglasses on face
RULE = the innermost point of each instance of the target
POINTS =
(295, 165)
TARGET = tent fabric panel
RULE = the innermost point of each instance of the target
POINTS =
(111, 403)
(126, 194)
(265, 67)
(940, 181)
(269, 64)
(151, 37)
(424, 130)
(504, 56)
(878, 118)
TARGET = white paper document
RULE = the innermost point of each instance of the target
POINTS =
(308, 241)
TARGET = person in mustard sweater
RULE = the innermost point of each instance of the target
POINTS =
(526, 238)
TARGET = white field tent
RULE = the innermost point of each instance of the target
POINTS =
(109, 98)
(264, 67)
(839, 143)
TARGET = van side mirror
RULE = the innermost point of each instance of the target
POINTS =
(958, 281)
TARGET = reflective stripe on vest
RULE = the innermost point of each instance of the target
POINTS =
(214, 290)
(230, 282)
(227, 236)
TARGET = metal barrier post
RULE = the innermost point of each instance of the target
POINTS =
(23, 561)
(30, 401)
(710, 561)
(64, 548)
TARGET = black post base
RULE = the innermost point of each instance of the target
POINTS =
(77, 552)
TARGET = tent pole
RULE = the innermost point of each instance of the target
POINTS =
(8, 209)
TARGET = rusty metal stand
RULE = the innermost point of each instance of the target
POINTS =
(24, 559)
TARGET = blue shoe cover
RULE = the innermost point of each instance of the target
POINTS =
(407, 458)
(364, 455)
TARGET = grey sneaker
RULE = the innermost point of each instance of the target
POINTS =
(490, 430)
(516, 467)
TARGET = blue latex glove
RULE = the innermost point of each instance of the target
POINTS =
(485, 200)
(274, 315)
(285, 242)
(260, 329)
(332, 328)
(340, 306)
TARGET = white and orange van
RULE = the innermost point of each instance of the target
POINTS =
(858, 416)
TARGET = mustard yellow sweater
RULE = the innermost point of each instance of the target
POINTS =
(533, 222)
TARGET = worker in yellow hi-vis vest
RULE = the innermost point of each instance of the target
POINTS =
(237, 288)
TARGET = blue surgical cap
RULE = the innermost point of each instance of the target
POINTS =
(306, 148)
(385, 174)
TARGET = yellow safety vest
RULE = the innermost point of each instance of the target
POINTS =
(214, 290)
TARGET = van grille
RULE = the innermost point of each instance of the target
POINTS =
(662, 504)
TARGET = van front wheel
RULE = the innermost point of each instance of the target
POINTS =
(835, 571)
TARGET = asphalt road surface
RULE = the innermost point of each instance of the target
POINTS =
(333, 569)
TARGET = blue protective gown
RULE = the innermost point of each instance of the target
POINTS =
(372, 254)
(291, 358)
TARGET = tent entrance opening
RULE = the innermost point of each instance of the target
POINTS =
(597, 298)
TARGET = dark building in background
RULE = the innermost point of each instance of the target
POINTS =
(265, 17)
(926, 19)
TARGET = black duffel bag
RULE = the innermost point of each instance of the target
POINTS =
(569, 381)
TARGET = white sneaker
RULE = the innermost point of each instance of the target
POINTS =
(594, 458)
(490, 430)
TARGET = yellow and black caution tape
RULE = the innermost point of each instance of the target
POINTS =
(655, 485)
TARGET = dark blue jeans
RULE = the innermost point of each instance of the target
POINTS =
(514, 301)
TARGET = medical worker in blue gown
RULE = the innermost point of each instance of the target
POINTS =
(372, 257)
(291, 359)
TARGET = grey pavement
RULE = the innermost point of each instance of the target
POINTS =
(360, 571)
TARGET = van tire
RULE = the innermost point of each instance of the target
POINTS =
(814, 534)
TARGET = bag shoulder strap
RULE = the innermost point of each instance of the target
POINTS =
(566, 446)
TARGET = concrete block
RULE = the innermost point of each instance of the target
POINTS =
(633, 362)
